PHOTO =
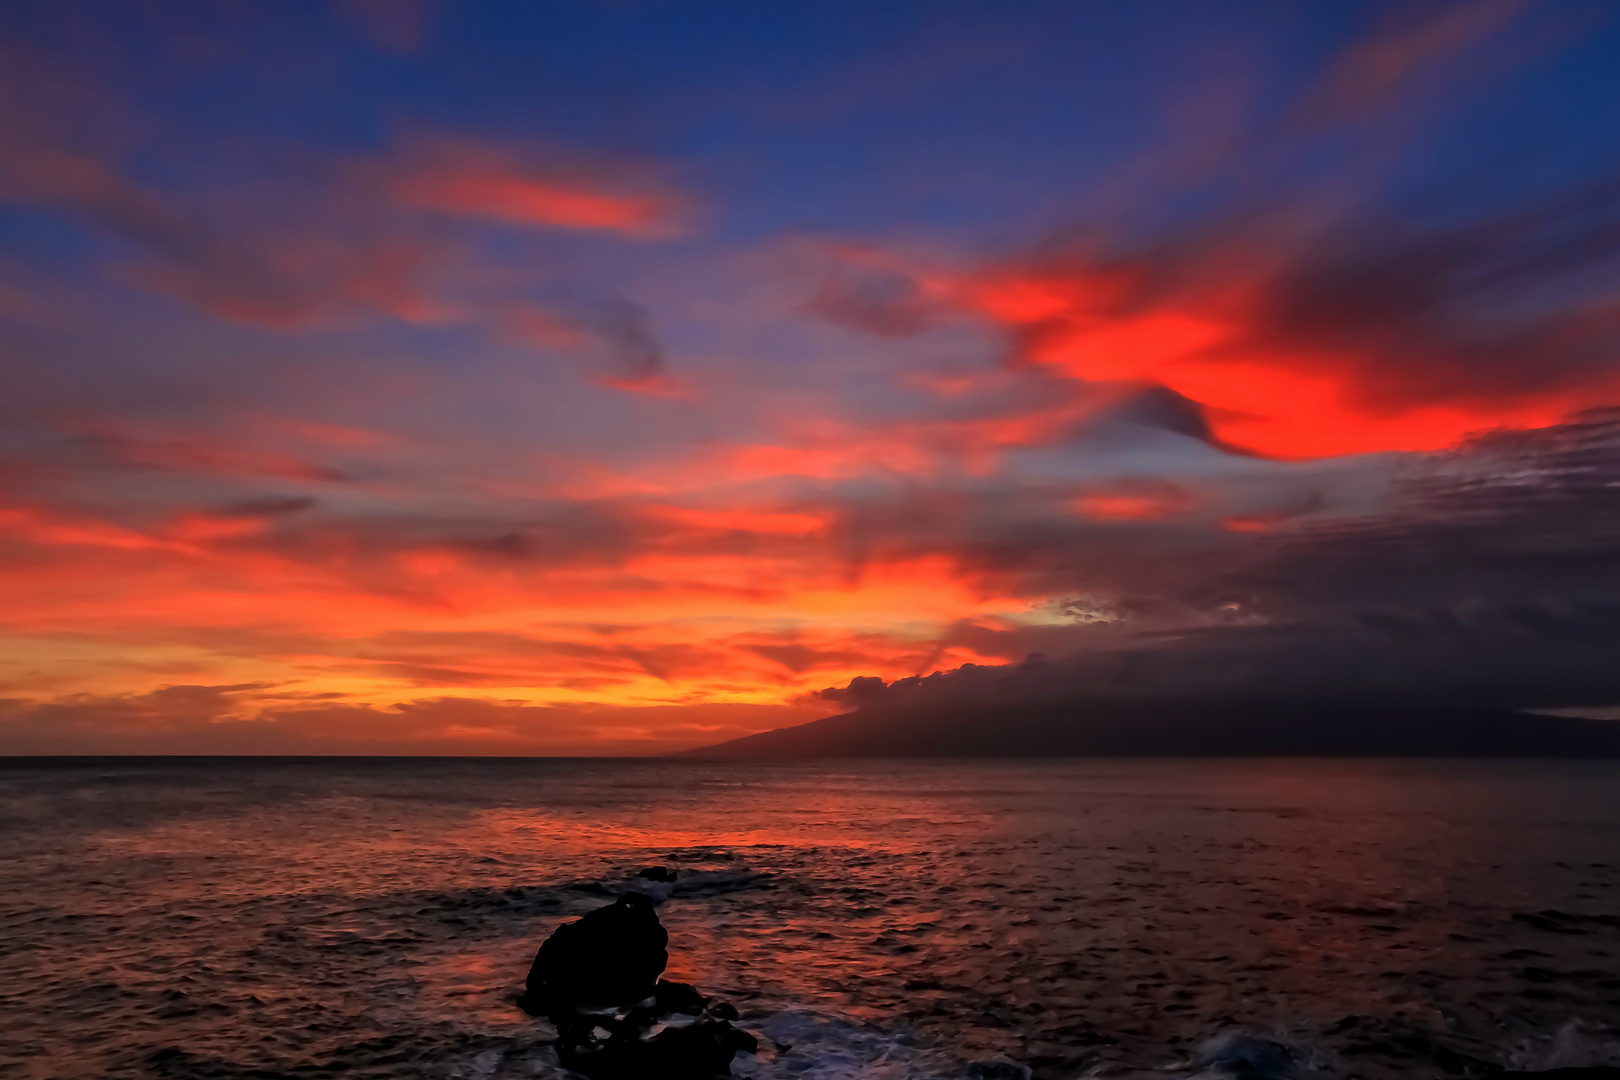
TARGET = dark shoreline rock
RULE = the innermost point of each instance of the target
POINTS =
(610, 957)
(597, 979)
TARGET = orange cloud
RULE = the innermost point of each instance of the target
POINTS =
(739, 520)
(681, 608)
(257, 718)
(45, 528)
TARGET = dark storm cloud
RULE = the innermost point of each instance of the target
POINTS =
(1493, 581)
(1500, 660)
(1513, 518)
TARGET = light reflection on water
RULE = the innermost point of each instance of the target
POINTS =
(374, 918)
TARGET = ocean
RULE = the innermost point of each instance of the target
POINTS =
(986, 920)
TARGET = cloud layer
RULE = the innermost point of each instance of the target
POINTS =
(627, 401)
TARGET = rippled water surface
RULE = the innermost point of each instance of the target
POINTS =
(361, 919)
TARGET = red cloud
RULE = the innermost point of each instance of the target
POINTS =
(1346, 344)
(1139, 500)
(1407, 47)
(1300, 327)
(395, 25)
(844, 533)
(468, 179)
(349, 242)
(207, 454)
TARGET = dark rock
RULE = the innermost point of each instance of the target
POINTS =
(1594, 1072)
(597, 980)
(695, 1051)
(656, 873)
(610, 957)
(1245, 1057)
(676, 997)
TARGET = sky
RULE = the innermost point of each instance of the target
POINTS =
(615, 377)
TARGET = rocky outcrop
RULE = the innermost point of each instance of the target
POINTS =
(611, 958)
(597, 979)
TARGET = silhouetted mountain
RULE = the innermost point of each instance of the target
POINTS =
(1078, 729)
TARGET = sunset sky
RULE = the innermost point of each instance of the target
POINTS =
(613, 377)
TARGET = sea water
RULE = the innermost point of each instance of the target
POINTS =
(897, 919)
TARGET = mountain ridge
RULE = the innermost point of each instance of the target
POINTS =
(1120, 729)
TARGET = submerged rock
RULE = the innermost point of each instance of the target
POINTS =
(1244, 1057)
(695, 1050)
(597, 980)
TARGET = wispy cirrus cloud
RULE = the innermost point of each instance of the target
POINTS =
(355, 239)
(1303, 311)
(538, 190)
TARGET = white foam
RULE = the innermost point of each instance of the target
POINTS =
(1577, 1044)
(810, 1046)
(1238, 1054)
